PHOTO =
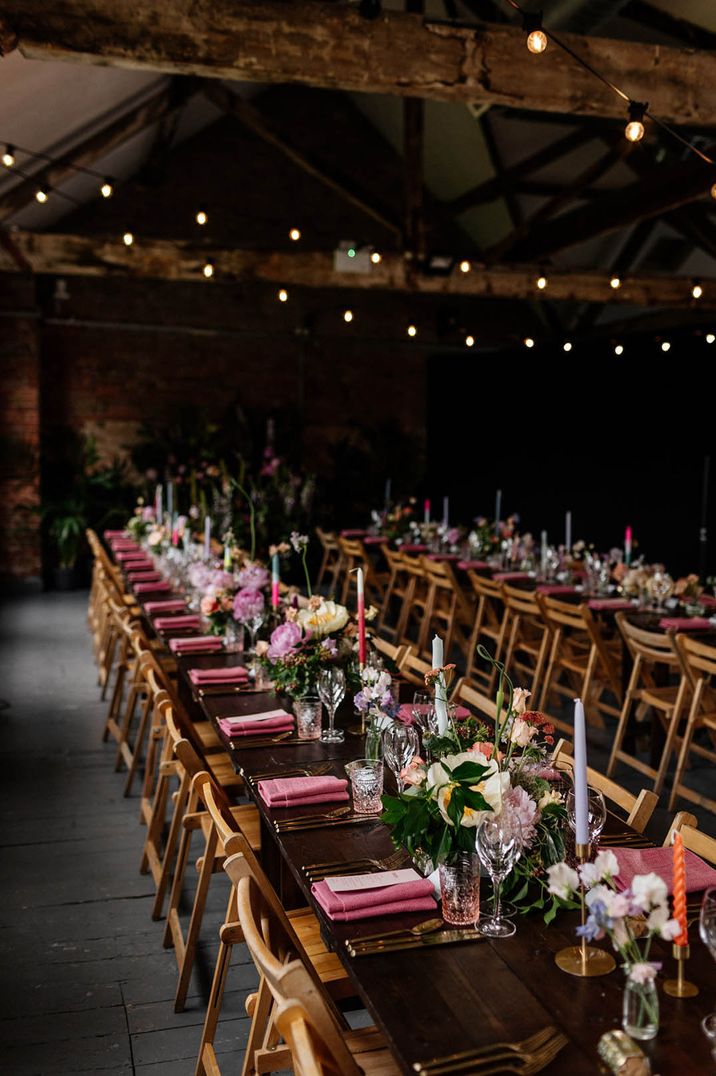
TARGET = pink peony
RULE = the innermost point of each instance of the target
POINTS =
(253, 577)
(248, 604)
(518, 803)
(284, 641)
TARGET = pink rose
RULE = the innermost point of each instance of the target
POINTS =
(208, 606)
(414, 772)
(248, 604)
(284, 641)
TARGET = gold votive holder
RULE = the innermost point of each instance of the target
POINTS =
(680, 987)
(584, 960)
(622, 1056)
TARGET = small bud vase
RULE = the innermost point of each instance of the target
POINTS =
(640, 1013)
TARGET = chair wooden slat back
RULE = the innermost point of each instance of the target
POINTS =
(681, 818)
(699, 663)
(395, 589)
(701, 844)
(414, 603)
(414, 669)
(353, 555)
(654, 655)
(466, 693)
(312, 1055)
(526, 637)
(448, 611)
(330, 561)
(489, 628)
(638, 809)
(396, 654)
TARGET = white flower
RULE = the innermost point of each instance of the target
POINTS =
(521, 733)
(548, 798)
(519, 700)
(643, 971)
(493, 786)
(324, 620)
(562, 880)
(648, 891)
(605, 865)
(658, 921)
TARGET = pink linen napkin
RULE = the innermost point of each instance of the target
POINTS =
(125, 545)
(297, 791)
(356, 532)
(706, 600)
(137, 562)
(152, 588)
(122, 555)
(234, 674)
(556, 588)
(634, 861)
(405, 897)
(196, 645)
(375, 539)
(685, 623)
(438, 557)
(114, 534)
(164, 623)
(617, 604)
(144, 577)
(412, 547)
(168, 605)
(507, 576)
(477, 565)
(250, 724)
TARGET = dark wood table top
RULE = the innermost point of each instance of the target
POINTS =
(435, 1001)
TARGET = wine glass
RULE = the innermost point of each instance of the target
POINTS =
(253, 622)
(707, 932)
(422, 705)
(499, 846)
(331, 689)
(400, 746)
(596, 813)
(661, 587)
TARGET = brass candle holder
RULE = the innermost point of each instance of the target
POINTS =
(584, 960)
(680, 987)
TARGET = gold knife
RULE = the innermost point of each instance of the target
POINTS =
(446, 937)
(354, 820)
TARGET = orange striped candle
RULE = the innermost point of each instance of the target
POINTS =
(680, 889)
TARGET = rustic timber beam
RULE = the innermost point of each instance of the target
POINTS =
(696, 37)
(98, 145)
(330, 45)
(95, 256)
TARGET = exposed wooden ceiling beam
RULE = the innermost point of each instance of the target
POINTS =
(330, 45)
(76, 255)
(696, 37)
(98, 145)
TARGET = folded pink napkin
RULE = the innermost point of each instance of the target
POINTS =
(476, 565)
(617, 604)
(685, 623)
(706, 600)
(405, 897)
(412, 547)
(114, 534)
(125, 545)
(375, 539)
(168, 605)
(136, 562)
(144, 577)
(555, 588)
(196, 644)
(506, 576)
(250, 724)
(443, 556)
(152, 588)
(234, 674)
(125, 555)
(405, 713)
(355, 532)
(296, 791)
(634, 861)
(164, 623)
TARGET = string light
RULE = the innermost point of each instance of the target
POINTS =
(465, 266)
(619, 350)
(634, 129)
(283, 296)
(615, 282)
(567, 345)
(529, 342)
(541, 282)
(42, 195)
(469, 341)
(713, 191)
(665, 345)
(536, 37)
(295, 234)
(348, 315)
(201, 217)
(710, 338)
(697, 290)
(127, 239)
(376, 257)
(107, 189)
(208, 269)
(8, 157)
(412, 331)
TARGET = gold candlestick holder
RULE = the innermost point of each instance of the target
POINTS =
(584, 960)
(680, 987)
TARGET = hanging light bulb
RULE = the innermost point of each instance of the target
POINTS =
(541, 282)
(283, 296)
(465, 266)
(42, 195)
(619, 350)
(412, 331)
(201, 217)
(665, 345)
(208, 269)
(348, 315)
(710, 338)
(469, 341)
(107, 188)
(295, 234)
(615, 282)
(634, 129)
(128, 239)
(697, 290)
(536, 37)
(8, 157)
(529, 342)
(376, 257)
(567, 345)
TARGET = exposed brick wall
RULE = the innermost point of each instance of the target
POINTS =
(20, 547)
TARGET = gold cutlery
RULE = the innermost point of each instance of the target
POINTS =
(315, 871)
(353, 820)
(316, 816)
(282, 739)
(531, 1043)
(396, 945)
(426, 927)
(523, 1061)
(227, 689)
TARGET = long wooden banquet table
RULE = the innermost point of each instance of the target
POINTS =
(435, 1001)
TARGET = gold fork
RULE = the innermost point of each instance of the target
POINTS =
(316, 871)
(525, 1062)
(314, 771)
(532, 1042)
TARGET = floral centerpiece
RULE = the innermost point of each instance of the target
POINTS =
(630, 919)
(141, 521)
(310, 639)
(688, 587)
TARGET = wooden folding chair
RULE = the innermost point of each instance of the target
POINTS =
(353, 555)
(447, 611)
(313, 1055)
(414, 669)
(527, 637)
(581, 653)
(303, 922)
(489, 629)
(699, 664)
(330, 561)
(395, 591)
(393, 653)
(465, 693)
(697, 842)
(412, 610)
(284, 969)
(654, 654)
(638, 809)
(681, 819)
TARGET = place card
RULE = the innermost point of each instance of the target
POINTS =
(268, 715)
(352, 883)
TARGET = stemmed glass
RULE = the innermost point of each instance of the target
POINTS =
(422, 705)
(331, 689)
(499, 846)
(661, 587)
(707, 931)
(252, 620)
(400, 746)
(596, 813)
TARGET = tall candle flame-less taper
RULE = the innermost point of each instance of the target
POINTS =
(680, 987)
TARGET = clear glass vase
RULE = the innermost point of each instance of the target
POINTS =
(460, 889)
(640, 1012)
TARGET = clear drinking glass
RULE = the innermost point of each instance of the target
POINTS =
(460, 889)
(422, 705)
(400, 746)
(308, 713)
(366, 777)
(596, 813)
(331, 689)
(707, 933)
(499, 846)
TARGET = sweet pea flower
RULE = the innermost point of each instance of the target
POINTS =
(605, 865)
(563, 880)
(284, 641)
(658, 920)
(648, 891)
(644, 971)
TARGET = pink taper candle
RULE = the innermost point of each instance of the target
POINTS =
(426, 510)
(627, 546)
(361, 617)
(275, 580)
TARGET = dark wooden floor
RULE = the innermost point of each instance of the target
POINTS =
(85, 985)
